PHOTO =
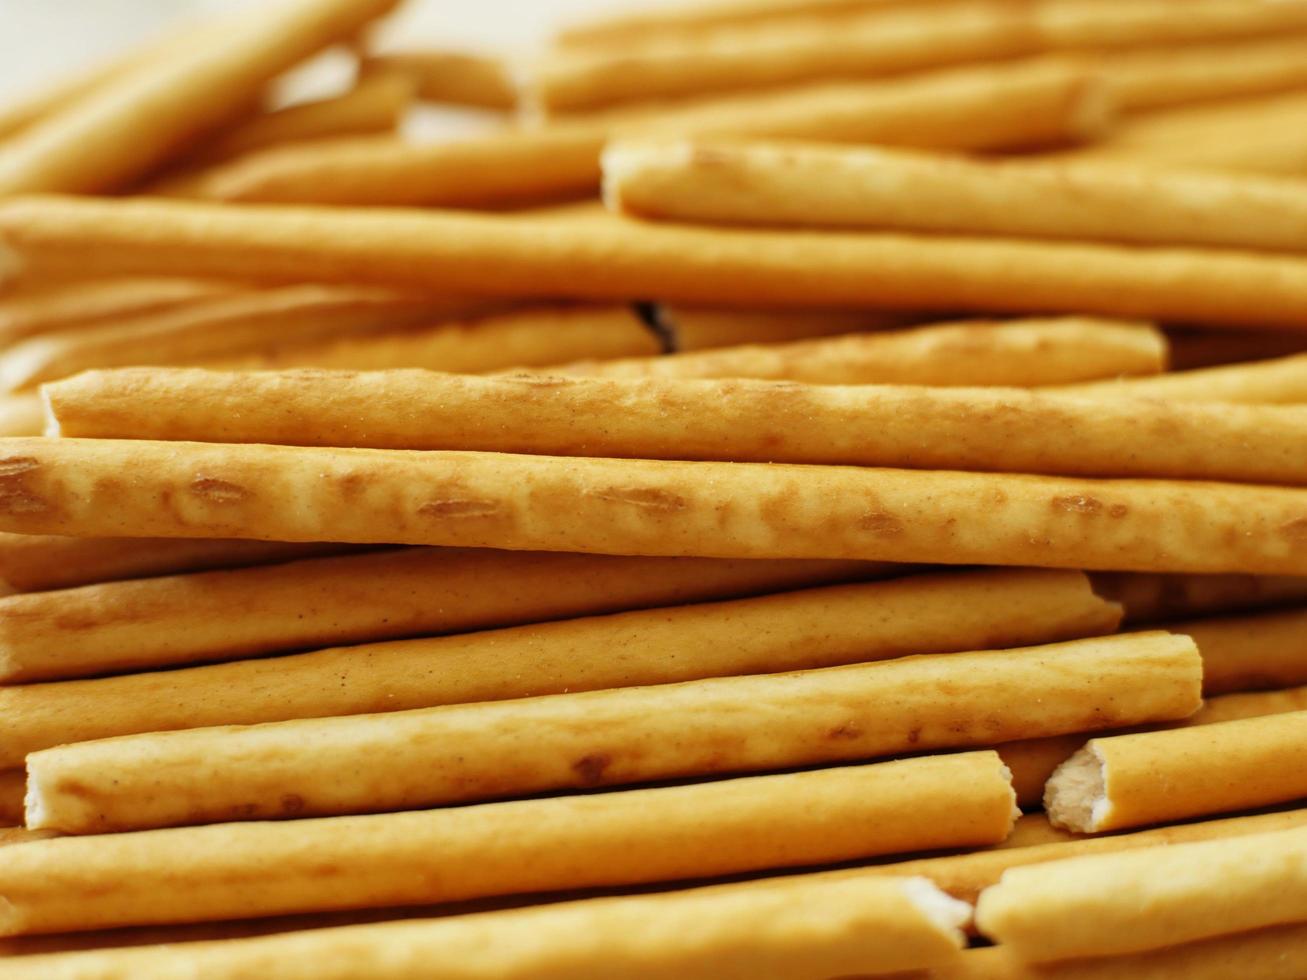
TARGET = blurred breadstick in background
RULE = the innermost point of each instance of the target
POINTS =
(1282, 381)
(981, 107)
(552, 658)
(1194, 349)
(615, 259)
(21, 415)
(1156, 777)
(468, 752)
(460, 78)
(533, 336)
(1017, 353)
(135, 121)
(1157, 598)
(723, 182)
(651, 507)
(223, 325)
(974, 429)
(1089, 906)
(837, 927)
(1154, 78)
(661, 834)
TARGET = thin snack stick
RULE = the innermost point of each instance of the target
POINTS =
(21, 415)
(659, 834)
(1016, 353)
(733, 183)
(973, 429)
(220, 326)
(65, 305)
(458, 753)
(137, 120)
(413, 592)
(502, 256)
(828, 927)
(1089, 906)
(533, 336)
(1033, 762)
(1240, 653)
(554, 658)
(1158, 598)
(1144, 778)
(645, 507)
(985, 107)
(451, 77)
(1281, 381)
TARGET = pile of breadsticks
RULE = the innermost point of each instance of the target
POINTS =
(678, 532)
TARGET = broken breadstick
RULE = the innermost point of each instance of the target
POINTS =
(972, 429)
(659, 834)
(1279, 381)
(769, 928)
(1089, 906)
(433, 756)
(494, 255)
(1158, 777)
(786, 631)
(136, 120)
(645, 507)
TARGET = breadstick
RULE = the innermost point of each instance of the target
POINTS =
(734, 724)
(1157, 777)
(452, 77)
(1192, 349)
(720, 639)
(13, 787)
(972, 429)
(660, 834)
(697, 328)
(37, 563)
(644, 507)
(1158, 598)
(414, 592)
(134, 122)
(1089, 906)
(784, 928)
(21, 415)
(1016, 353)
(1267, 649)
(219, 326)
(985, 107)
(533, 336)
(1280, 381)
(717, 182)
(493, 255)
(66, 305)
(1032, 762)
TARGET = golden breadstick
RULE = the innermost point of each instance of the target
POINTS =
(1154, 78)
(135, 121)
(456, 753)
(1157, 598)
(37, 563)
(1089, 906)
(789, 927)
(451, 77)
(1144, 778)
(1034, 830)
(1032, 762)
(21, 415)
(973, 429)
(1279, 381)
(1191, 349)
(495, 255)
(533, 336)
(13, 787)
(645, 507)
(1262, 650)
(719, 639)
(64, 305)
(1017, 353)
(985, 107)
(414, 592)
(219, 326)
(724, 182)
(659, 834)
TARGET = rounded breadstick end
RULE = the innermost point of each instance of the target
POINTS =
(1075, 796)
(948, 914)
(625, 162)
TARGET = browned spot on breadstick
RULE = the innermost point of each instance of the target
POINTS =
(219, 491)
(591, 768)
(16, 496)
(292, 803)
(17, 465)
(1078, 504)
(1118, 510)
(886, 525)
(647, 498)
(1295, 531)
(847, 730)
(460, 507)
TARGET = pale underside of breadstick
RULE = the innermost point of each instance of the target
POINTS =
(786, 631)
(480, 751)
(1089, 906)
(645, 507)
(767, 929)
(616, 259)
(1279, 381)
(675, 833)
(972, 429)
